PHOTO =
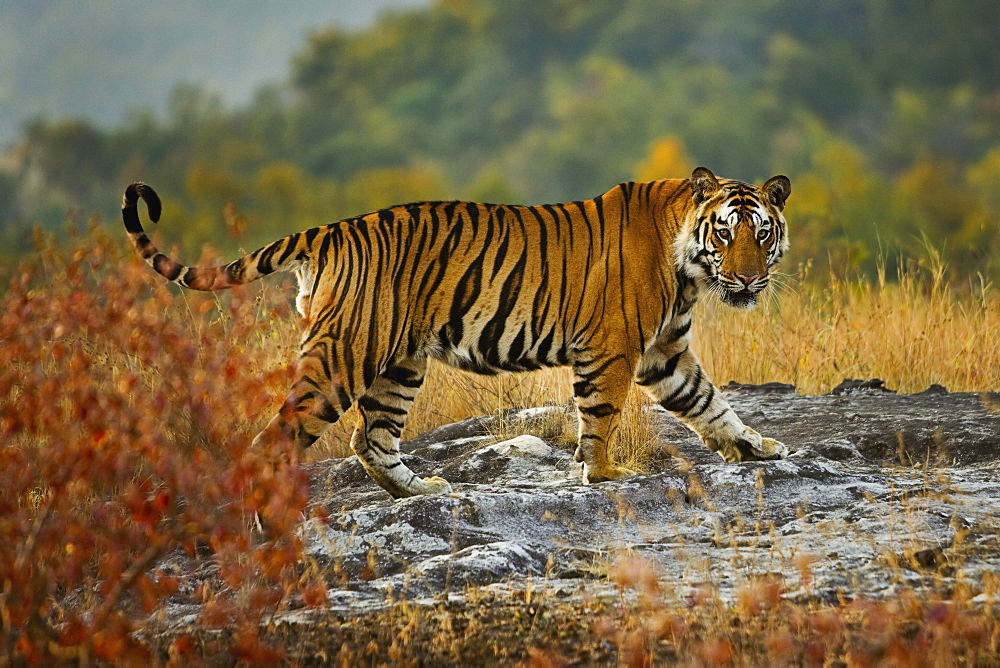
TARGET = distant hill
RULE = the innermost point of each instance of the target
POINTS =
(99, 58)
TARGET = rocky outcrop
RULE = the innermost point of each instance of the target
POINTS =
(882, 491)
(885, 496)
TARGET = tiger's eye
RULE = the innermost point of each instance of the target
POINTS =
(723, 233)
(763, 235)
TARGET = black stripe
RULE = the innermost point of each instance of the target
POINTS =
(321, 257)
(493, 330)
(516, 346)
(264, 261)
(370, 403)
(466, 292)
(386, 216)
(322, 408)
(540, 305)
(130, 216)
(166, 267)
(680, 331)
(290, 244)
(687, 401)
(375, 445)
(310, 235)
(599, 204)
(472, 211)
(680, 388)
(599, 411)
(699, 411)
(386, 425)
(715, 418)
(661, 373)
(501, 255)
(596, 372)
(546, 345)
(343, 398)
(403, 376)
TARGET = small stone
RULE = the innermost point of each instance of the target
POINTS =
(851, 386)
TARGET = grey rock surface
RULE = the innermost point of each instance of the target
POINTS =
(882, 492)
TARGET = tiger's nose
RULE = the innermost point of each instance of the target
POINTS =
(747, 280)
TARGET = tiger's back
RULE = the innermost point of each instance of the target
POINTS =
(490, 288)
(604, 285)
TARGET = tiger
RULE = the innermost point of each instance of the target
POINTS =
(605, 286)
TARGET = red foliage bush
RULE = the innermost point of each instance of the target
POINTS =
(126, 414)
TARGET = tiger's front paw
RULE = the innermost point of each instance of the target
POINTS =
(415, 486)
(772, 449)
(609, 472)
(749, 447)
(433, 486)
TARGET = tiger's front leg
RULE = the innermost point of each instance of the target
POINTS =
(600, 390)
(673, 377)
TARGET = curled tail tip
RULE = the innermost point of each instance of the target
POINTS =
(140, 190)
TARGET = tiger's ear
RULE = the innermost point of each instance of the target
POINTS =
(704, 184)
(777, 189)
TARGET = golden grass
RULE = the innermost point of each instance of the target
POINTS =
(911, 332)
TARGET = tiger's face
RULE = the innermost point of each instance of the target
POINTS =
(737, 236)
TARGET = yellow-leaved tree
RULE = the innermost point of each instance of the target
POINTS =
(667, 159)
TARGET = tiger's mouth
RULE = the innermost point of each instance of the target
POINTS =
(743, 299)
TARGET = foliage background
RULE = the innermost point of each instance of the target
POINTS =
(884, 113)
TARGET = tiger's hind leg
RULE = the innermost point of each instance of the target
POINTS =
(383, 409)
(317, 400)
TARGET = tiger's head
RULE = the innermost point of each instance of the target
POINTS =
(735, 237)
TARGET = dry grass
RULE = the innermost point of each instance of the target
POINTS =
(525, 627)
(910, 332)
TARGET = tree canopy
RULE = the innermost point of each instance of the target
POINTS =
(885, 114)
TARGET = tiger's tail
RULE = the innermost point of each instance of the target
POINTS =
(281, 255)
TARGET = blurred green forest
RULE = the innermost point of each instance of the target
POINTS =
(885, 114)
